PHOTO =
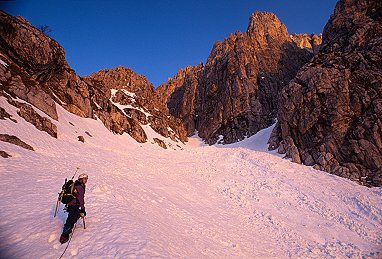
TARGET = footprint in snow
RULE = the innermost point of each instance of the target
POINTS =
(101, 189)
(52, 237)
(74, 251)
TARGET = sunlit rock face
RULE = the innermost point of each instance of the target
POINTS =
(135, 97)
(331, 112)
(33, 69)
(309, 42)
(37, 70)
(235, 94)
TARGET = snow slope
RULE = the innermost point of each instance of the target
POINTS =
(233, 201)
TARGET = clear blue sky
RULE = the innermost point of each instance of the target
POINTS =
(156, 38)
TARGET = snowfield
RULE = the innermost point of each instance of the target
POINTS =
(189, 201)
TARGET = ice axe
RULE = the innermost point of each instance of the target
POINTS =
(83, 220)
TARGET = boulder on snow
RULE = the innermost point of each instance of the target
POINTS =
(15, 140)
(4, 115)
(160, 143)
(4, 154)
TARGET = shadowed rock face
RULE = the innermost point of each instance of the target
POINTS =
(236, 93)
(180, 96)
(331, 113)
(35, 70)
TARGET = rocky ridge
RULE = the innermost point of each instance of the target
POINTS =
(34, 70)
(134, 96)
(331, 113)
(328, 108)
(14, 140)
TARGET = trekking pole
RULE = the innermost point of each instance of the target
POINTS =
(83, 220)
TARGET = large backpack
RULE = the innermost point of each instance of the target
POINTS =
(68, 193)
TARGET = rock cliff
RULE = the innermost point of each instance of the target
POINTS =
(135, 97)
(331, 112)
(37, 71)
(235, 94)
(34, 72)
(325, 92)
(180, 96)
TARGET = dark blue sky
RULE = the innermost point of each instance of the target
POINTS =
(156, 38)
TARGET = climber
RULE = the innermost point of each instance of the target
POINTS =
(75, 208)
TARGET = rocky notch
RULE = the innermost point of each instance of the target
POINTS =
(236, 93)
(309, 42)
(33, 68)
(331, 113)
(180, 96)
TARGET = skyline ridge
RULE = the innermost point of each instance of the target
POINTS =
(156, 39)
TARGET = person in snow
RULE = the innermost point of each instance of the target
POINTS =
(75, 208)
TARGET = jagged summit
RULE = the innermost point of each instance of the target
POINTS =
(235, 94)
(120, 77)
(266, 26)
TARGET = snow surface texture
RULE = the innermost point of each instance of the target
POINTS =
(232, 201)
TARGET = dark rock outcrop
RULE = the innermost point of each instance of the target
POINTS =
(15, 140)
(160, 143)
(27, 112)
(331, 113)
(30, 115)
(4, 154)
(41, 123)
(236, 93)
(5, 115)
